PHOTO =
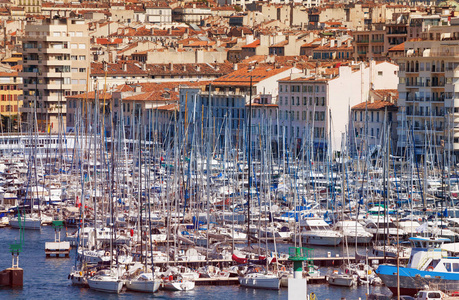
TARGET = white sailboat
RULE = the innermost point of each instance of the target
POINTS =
(144, 282)
(260, 281)
(26, 222)
(108, 283)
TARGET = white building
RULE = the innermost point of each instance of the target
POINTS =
(306, 103)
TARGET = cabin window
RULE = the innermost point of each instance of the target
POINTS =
(447, 267)
(456, 267)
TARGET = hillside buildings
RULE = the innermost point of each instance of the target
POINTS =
(55, 65)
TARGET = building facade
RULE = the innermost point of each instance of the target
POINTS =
(429, 91)
(55, 65)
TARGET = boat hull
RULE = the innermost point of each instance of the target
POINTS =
(260, 283)
(340, 280)
(321, 240)
(108, 286)
(413, 280)
(27, 224)
(178, 286)
(143, 286)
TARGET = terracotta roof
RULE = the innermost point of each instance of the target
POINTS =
(280, 44)
(253, 44)
(400, 47)
(376, 105)
(156, 95)
(243, 76)
(168, 107)
(91, 96)
(131, 68)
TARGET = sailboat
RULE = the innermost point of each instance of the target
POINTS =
(106, 282)
(144, 281)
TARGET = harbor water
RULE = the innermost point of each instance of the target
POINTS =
(46, 278)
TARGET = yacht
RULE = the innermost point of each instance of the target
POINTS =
(428, 265)
(317, 232)
(354, 232)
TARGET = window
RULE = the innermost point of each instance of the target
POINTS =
(297, 100)
(82, 70)
(377, 116)
(74, 81)
(81, 46)
(304, 115)
(380, 73)
(73, 46)
(79, 33)
(73, 57)
(82, 57)
(298, 115)
(56, 33)
(280, 100)
(82, 81)
(74, 70)
(305, 101)
(71, 33)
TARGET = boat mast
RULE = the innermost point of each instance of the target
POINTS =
(249, 163)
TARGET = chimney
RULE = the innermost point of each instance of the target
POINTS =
(124, 67)
(171, 66)
(235, 67)
(105, 66)
(332, 43)
(198, 68)
(184, 67)
(339, 43)
(144, 66)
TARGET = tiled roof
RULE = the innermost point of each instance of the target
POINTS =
(168, 107)
(114, 69)
(91, 96)
(243, 76)
(376, 105)
(400, 47)
(253, 44)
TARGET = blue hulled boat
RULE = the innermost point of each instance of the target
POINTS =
(429, 266)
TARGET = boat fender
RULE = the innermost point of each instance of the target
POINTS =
(312, 296)
(430, 268)
(81, 273)
(107, 253)
(282, 268)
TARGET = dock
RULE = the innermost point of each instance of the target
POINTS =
(217, 281)
(57, 249)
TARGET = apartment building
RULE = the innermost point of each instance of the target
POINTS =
(10, 93)
(313, 106)
(55, 65)
(229, 96)
(429, 91)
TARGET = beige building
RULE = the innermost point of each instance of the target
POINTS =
(30, 6)
(429, 91)
(55, 65)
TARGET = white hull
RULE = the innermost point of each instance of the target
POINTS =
(106, 284)
(341, 280)
(78, 279)
(321, 240)
(34, 224)
(143, 286)
(260, 283)
(178, 286)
